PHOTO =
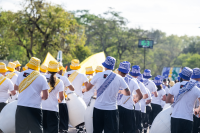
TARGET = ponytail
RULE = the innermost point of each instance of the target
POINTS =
(52, 79)
(159, 87)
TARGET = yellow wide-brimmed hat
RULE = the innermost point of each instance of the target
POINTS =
(89, 70)
(171, 83)
(11, 66)
(99, 69)
(3, 67)
(63, 71)
(43, 68)
(75, 64)
(34, 63)
(17, 63)
(53, 66)
(25, 68)
(60, 66)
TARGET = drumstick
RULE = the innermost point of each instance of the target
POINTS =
(126, 100)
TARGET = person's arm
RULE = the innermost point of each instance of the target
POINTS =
(145, 96)
(88, 87)
(197, 110)
(170, 98)
(138, 96)
(61, 95)
(45, 94)
(148, 101)
(86, 83)
(13, 92)
(71, 87)
(164, 98)
(155, 94)
(125, 92)
(16, 87)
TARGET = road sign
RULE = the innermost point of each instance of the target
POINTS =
(145, 43)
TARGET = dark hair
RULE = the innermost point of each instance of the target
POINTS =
(164, 80)
(159, 87)
(52, 79)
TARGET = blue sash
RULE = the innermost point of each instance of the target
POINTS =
(146, 82)
(106, 83)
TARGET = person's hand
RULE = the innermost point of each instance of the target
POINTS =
(83, 90)
(197, 111)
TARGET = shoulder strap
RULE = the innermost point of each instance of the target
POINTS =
(51, 88)
(10, 75)
(73, 76)
(146, 82)
(2, 79)
(28, 80)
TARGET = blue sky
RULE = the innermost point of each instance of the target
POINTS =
(179, 17)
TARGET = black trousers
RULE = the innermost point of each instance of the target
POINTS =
(181, 125)
(138, 117)
(2, 105)
(28, 119)
(107, 120)
(156, 109)
(64, 118)
(50, 121)
(146, 121)
(126, 123)
(196, 124)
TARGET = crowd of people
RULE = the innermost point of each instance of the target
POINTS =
(127, 101)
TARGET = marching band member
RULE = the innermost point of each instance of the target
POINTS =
(50, 106)
(183, 96)
(125, 103)
(157, 101)
(43, 69)
(17, 67)
(30, 84)
(24, 68)
(196, 118)
(98, 69)
(108, 84)
(6, 85)
(63, 110)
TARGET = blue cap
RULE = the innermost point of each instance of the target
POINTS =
(196, 73)
(135, 70)
(147, 74)
(158, 80)
(140, 78)
(186, 73)
(109, 63)
(124, 67)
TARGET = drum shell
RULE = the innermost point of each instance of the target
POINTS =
(162, 122)
(7, 117)
(76, 109)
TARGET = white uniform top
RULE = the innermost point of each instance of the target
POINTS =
(52, 102)
(184, 107)
(127, 101)
(108, 99)
(78, 82)
(166, 89)
(5, 87)
(143, 101)
(150, 85)
(31, 96)
(65, 82)
(158, 100)
(43, 73)
(17, 72)
(13, 79)
(149, 98)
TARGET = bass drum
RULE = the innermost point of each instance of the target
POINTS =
(162, 122)
(89, 115)
(7, 118)
(76, 109)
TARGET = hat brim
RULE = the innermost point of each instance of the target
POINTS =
(147, 77)
(195, 76)
(75, 67)
(183, 76)
(3, 70)
(134, 74)
(107, 66)
(158, 83)
(11, 69)
(90, 72)
(53, 70)
(17, 65)
(33, 67)
(123, 70)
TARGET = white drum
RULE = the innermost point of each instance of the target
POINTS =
(7, 117)
(89, 116)
(76, 109)
(13, 98)
(167, 105)
(162, 122)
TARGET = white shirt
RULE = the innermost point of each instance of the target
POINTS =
(66, 84)
(143, 101)
(31, 96)
(14, 78)
(5, 87)
(166, 89)
(17, 72)
(108, 99)
(184, 107)
(151, 86)
(158, 100)
(78, 82)
(52, 102)
(127, 101)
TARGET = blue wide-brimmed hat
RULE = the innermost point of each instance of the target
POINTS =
(109, 63)
(135, 70)
(147, 74)
(186, 73)
(158, 80)
(124, 67)
(140, 78)
(196, 73)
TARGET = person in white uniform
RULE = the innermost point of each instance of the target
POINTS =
(50, 106)
(10, 74)
(17, 67)
(108, 85)
(183, 96)
(28, 116)
(157, 101)
(125, 103)
(6, 86)
(63, 110)
(135, 72)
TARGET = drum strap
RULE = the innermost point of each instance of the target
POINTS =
(106, 83)
(146, 82)
(10, 75)
(28, 80)
(2, 79)
(51, 88)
